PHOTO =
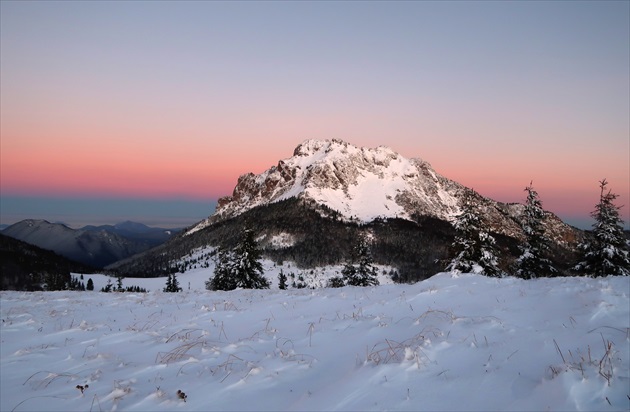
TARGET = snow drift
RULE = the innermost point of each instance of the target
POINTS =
(451, 342)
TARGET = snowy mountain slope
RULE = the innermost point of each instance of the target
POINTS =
(449, 343)
(359, 183)
(364, 184)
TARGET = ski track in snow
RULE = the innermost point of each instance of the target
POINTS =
(452, 342)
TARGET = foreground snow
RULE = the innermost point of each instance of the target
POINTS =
(449, 343)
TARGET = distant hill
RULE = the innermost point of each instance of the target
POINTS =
(24, 266)
(94, 246)
(152, 236)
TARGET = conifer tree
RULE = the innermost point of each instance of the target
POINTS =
(57, 281)
(606, 252)
(169, 284)
(119, 286)
(532, 263)
(175, 284)
(282, 280)
(240, 268)
(108, 287)
(364, 273)
(474, 246)
(90, 284)
(223, 279)
(172, 285)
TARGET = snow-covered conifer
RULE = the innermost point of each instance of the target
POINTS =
(532, 263)
(240, 268)
(223, 279)
(474, 246)
(606, 252)
(282, 280)
(364, 273)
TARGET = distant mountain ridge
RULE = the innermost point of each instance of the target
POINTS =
(96, 246)
(153, 236)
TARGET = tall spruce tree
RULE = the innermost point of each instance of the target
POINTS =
(363, 273)
(240, 268)
(532, 263)
(606, 252)
(474, 246)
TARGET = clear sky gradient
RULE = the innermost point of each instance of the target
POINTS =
(172, 101)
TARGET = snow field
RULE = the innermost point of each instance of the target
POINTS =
(452, 342)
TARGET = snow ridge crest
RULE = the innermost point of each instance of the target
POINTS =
(360, 183)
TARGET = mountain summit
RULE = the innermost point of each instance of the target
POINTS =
(359, 183)
(312, 207)
(364, 184)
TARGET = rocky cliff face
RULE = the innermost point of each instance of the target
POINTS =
(359, 183)
(365, 184)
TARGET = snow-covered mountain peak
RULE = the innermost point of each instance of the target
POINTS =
(332, 151)
(357, 182)
(365, 184)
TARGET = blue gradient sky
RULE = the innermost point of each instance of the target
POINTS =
(172, 101)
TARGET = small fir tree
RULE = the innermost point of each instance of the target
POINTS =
(364, 273)
(240, 268)
(532, 263)
(282, 280)
(176, 287)
(606, 252)
(90, 284)
(223, 279)
(107, 288)
(474, 246)
(119, 285)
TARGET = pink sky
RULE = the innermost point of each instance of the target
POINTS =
(166, 100)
